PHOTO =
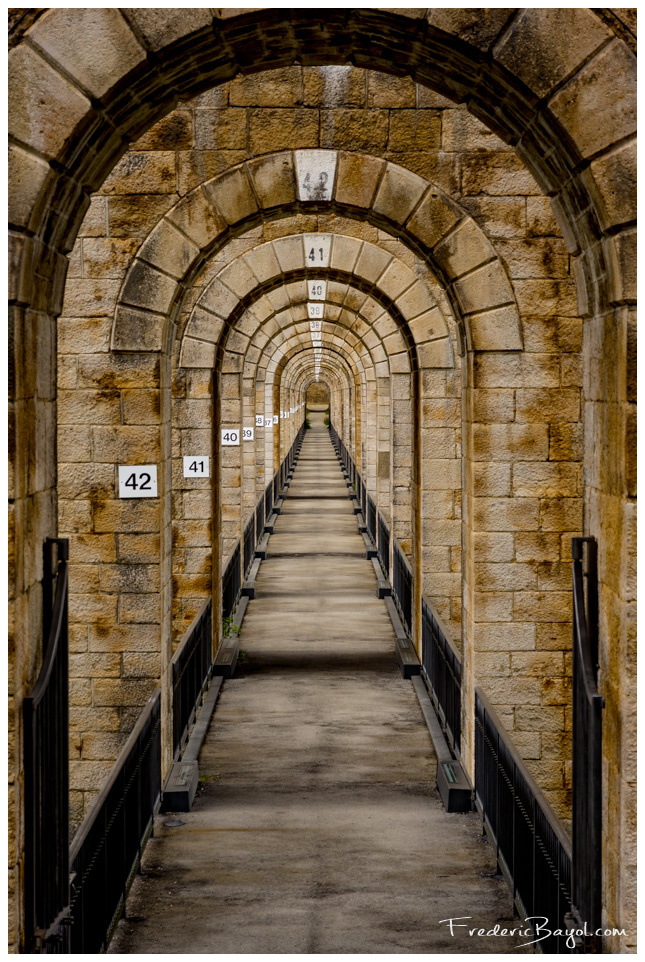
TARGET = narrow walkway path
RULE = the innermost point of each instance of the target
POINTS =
(318, 827)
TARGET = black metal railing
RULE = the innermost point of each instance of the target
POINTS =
(268, 499)
(402, 582)
(107, 848)
(370, 520)
(259, 519)
(383, 547)
(441, 667)
(276, 486)
(232, 582)
(249, 540)
(531, 846)
(587, 742)
(191, 664)
(46, 770)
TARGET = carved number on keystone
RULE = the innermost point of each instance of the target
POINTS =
(317, 290)
(315, 172)
(317, 249)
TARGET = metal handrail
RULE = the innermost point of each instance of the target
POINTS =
(190, 666)
(531, 845)
(46, 767)
(109, 844)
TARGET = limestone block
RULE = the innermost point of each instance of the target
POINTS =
(195, 353)
(125, 444)
(506, 514)
(351, 129)
(395, 279)
(534, 404)
(109, 692)
(358, 176)
(219, 299)
(414, 130)
(461, 131)
(118, 371)
(598, 105)
(429, 326)
(465, 248)
(496, 330)
(565, 442)
(510, 442)
(521, 370)
(142, 172)
(416, 300)
(276, 88)
(237, 276)
(128, 637)
(44, 108)
(541, 606)
(537, 546)
(283, 129)
(372, 262)
(491, 479)
(436, 354)
(611, 181)
(502, 216)
(138, 549)
(140, 406)
(562, 514)
(494, 546)
(174, 131)
(399, 193)
(135, 215)
(90, 298)
(543, 46)
(334, 85)
(497, 173)
(274, 179)
(197, 218)
(486, 287)
(95, 45)
(161, 26)
(105, 256)
(97, 407)
(138, 609)
(147, 287)
(493, 606)
(232, 195)
(476, 26)
(315, 174)
(27, 175)
(620, 252)
(204, 326)
(169, 250)
(345, 252)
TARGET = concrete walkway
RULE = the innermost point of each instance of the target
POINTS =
(318, 827)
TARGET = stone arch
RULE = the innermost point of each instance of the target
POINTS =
(426, 219)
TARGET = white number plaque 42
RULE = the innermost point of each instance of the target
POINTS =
(137, 480)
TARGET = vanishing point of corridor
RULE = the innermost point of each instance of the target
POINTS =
(318, 827)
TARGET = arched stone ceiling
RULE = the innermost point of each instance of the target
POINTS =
(357, 186)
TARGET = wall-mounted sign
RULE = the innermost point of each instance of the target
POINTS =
(268, 421)
(230, 437)
(137, 480)
(259, 420)
(315, 310)
(247, 434)
(196, 466)
(275, 418)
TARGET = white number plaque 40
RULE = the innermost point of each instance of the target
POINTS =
(230, 437)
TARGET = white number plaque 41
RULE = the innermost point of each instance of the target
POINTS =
(196, 467)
